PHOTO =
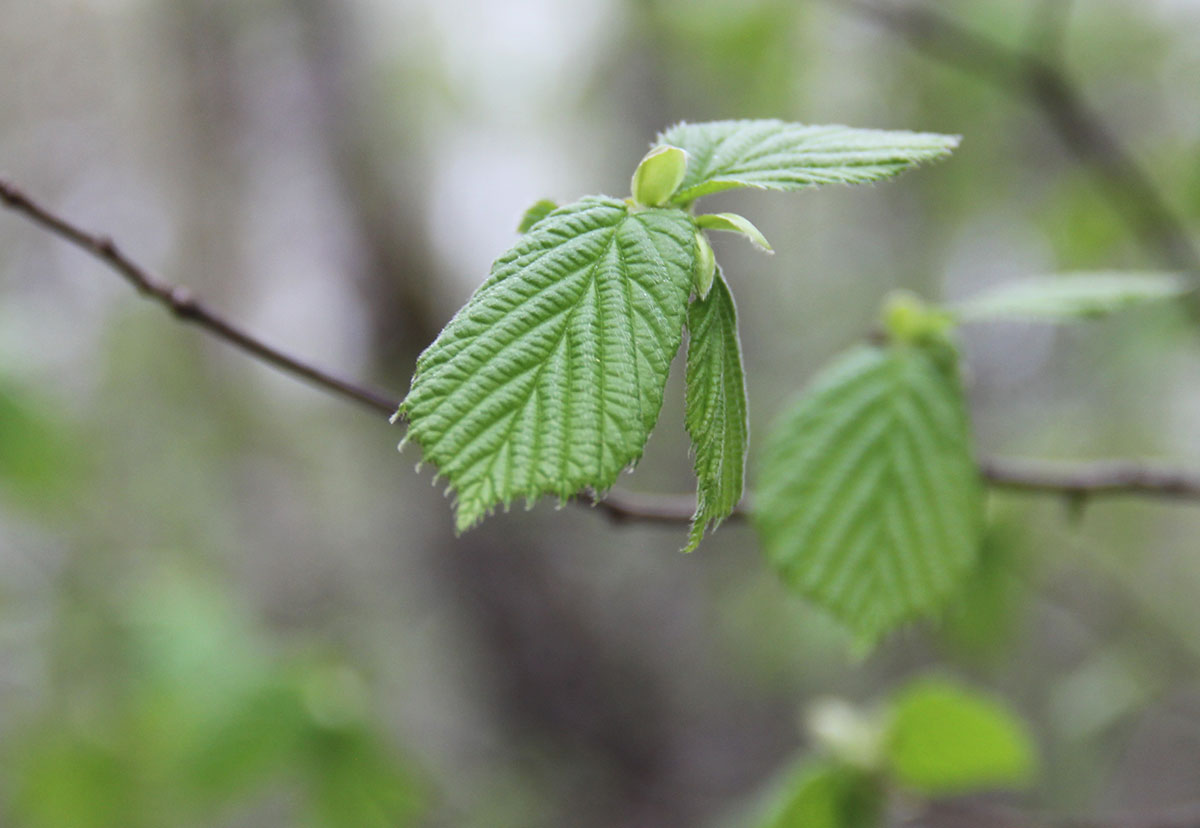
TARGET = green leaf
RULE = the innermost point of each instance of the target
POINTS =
(825, 795)
(1074, 297)
(706, 266)
(658, 175)
(734, 223)
(551, 377)
(535, 214)
(868, 501)
(773, 155)
(715, 409)
(946, 739)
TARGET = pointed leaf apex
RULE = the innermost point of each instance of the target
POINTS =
(659, 175)
(734, 223)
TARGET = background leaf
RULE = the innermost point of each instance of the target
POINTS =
(1073, 297)
(715, 408)
(946, 739)
(868, 501)
(41, 458)
(774, 155)
(825, 795)
(551, 377)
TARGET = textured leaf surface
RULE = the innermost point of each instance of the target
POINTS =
(774, 155)
(551, 377)
(868, 501)
(715, 408)
(1074, 297)
(946, 739)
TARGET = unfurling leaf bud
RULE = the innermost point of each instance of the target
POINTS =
(658, 176)
(706, 265)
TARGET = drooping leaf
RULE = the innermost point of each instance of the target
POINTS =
(733, 223)
(946, 739)
(538, 211)
(774, 155)
(822, 794)
(715, 408)
(551, 378)
(658, 175)
(1073, 297)
(868, 501)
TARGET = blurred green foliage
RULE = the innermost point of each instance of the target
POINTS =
(943, 739)
(41, 457)
(302, 164)
(196, 720)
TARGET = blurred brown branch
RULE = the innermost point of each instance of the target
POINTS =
(1073, 480)
(1025, 73)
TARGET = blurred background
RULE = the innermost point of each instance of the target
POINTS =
(226, 600)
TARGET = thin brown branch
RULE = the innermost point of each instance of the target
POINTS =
(1129, 190)
(1107, 478)
(1076, 480)
(186, 307)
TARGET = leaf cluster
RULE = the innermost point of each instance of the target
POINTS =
(550, 379)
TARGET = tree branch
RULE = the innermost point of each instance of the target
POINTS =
(186, 307)
(1075, 480)
(1129, 190)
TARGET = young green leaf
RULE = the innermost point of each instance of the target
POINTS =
(706, 265)
(824, 794)
(734, 223)
(536, 213)
(1073, 297)
(658, 175)
(945, 739)
(551, 378)
(773, 155)
(715, 408)
(868, 501)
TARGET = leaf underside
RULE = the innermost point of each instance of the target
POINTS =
(774, 155)
(715, 405)
(868, 501)
(551, 378)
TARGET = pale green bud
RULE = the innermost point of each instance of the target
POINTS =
(706, 265)
(848, 734)
(658, 176)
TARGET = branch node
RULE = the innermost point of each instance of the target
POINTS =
(106, 247)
